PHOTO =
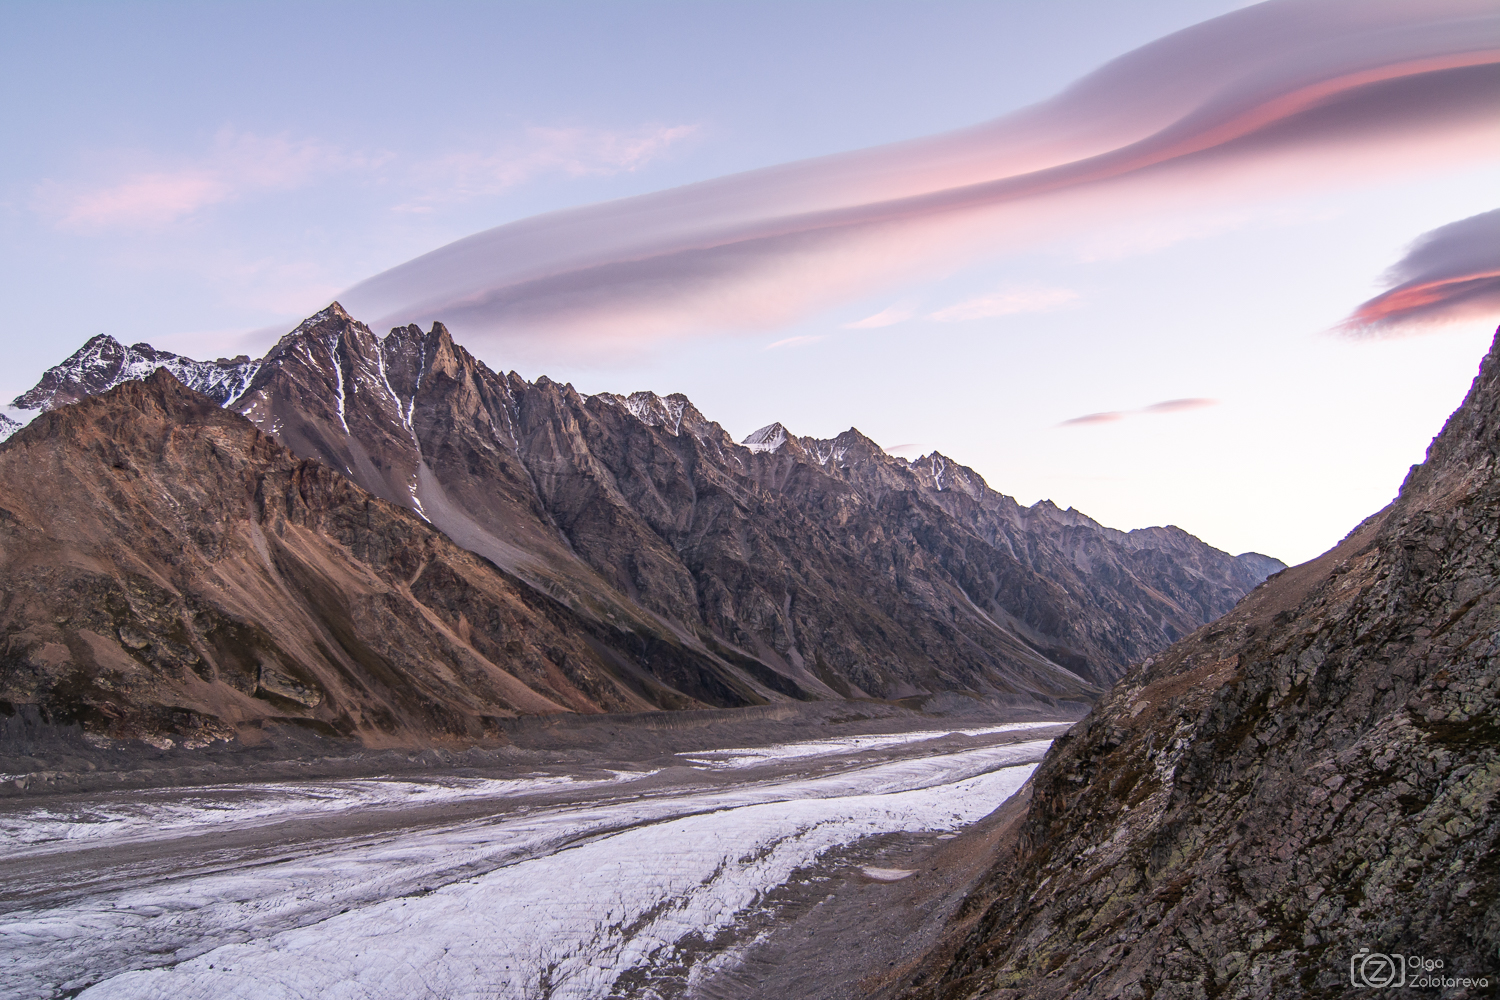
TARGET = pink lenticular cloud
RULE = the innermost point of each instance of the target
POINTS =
(1275, 97)
(1449, 274)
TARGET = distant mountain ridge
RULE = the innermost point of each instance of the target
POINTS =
(103, 363)
(805, 568)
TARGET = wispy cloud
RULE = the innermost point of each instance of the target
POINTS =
(237, 164)
(149, 199)
(573, 152)
(889, 316)
(1165, 406)
(1318, 93)
(1149, 235)
(1449, 274)
(802, 341)
(909, 451)
(1007, 303)
(1107, 417)
(1178, 405)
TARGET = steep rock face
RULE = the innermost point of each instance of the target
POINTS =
(420, 422)
(805, 576)
(800, 568)
(171, 572)
(1315, 773)
(1096, 597)
(632, 509)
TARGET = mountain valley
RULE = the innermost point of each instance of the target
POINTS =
(381, 547)
(646, 560)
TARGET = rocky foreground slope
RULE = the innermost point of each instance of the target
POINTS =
(1313, 774)
(798, 568)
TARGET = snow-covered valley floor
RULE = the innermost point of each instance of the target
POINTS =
(628, 882)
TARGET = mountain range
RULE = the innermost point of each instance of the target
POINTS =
(418, 544)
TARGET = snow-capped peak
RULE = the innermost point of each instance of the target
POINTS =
(104, 363)
(333, 311)
(768, 438)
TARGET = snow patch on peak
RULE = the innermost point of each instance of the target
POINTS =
(939, 470)
(103, 363)
(338, 378)
(826, 452)
(333, 311)
(944, 474)
(333, 314)
(654, 411)
(767, 439)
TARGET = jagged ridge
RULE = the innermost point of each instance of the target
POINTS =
(172, 573)
(806, 568)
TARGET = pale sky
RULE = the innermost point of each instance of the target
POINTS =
(202, 176)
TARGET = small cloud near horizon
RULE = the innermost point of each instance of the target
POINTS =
(1107, 417)
(1178, 405)
(1165, 406)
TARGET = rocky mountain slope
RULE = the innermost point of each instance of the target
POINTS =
(173, 573)
(818, 569)
(1313, 774)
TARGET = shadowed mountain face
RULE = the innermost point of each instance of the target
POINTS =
(171, 571)
(1315, 773)
(799, 568)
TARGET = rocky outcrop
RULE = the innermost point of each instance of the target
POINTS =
(814, 569)
(174, 574)
(1315, 774)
